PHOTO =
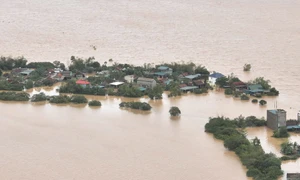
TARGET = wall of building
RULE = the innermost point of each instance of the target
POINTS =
(272, 120)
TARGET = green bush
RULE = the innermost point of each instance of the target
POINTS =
(281, 133)
(228, 92)
(244, 97)
(78, 99)
(14, 96)
(38, 97)
(136, 105)
(62, 99)
(262, 102)
(254, 100)
(174, 111)
(95, 103)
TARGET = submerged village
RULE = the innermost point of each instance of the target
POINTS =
(89, 77)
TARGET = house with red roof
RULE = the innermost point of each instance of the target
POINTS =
(83, 83)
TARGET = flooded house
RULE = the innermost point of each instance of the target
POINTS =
(146, 82)
(276, 118)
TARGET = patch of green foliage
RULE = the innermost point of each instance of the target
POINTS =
(262, 102)
(129, 91)
(38, 97)
(61, 99)
(9, 63)
(228, 92)
(72, 87)
(281, 133)
(78, 99)
(156, 92)
(14, 96)
(260, 165)
(136, 105)
(174, 111)
(254, 101)
(10, 86)
(94, 103)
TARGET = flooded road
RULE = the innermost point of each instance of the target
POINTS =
(43, 141)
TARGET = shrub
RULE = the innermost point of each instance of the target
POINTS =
(273, 92)
(136, 105)
(281, 133)
(254, 101)
(262, 102)
(244, 97)
(13, 96)
(228, 92)
(38, 97)
(247, 67)
(174, 111)
(78, 99)
(95, 103)
(62, 99)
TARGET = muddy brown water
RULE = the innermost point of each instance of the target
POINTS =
(44, 141)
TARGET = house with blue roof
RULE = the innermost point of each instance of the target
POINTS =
(214, 76)
(163, 71)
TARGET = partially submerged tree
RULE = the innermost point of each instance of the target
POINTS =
(174, 111)
(247, 67)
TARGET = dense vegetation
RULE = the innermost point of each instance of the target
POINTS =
(8, 63)
(281, 133)
(156, 92)
(174, 111)
(62, 99)
(14, 96)
(260, 165)
(136, 105)
(11, 86)
(94, 103)
(129, 91)
(290, 150)
(72, 87)
(38, 97)
(78, 99)
(262, 102)
(247, 67)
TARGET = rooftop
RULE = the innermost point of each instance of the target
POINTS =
(82, 82)
(163, 68)
(192, 76)
(27, 72)
(186, 88)
(216, 75)
(255, 87)
(274, 111)
(145, 79)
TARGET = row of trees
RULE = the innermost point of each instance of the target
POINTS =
(14, 96)
(260, 165)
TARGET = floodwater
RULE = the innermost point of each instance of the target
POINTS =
(44, 141)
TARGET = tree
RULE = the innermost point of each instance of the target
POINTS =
(38, 97)
(244, 97)
(247, 67)
(254, 101)
(281, 133)
(94, 103)
(262, 102)
(256, 141)
(156, 92)
(263, 82)
(174, 111)
(222, 81)
(0, 72)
